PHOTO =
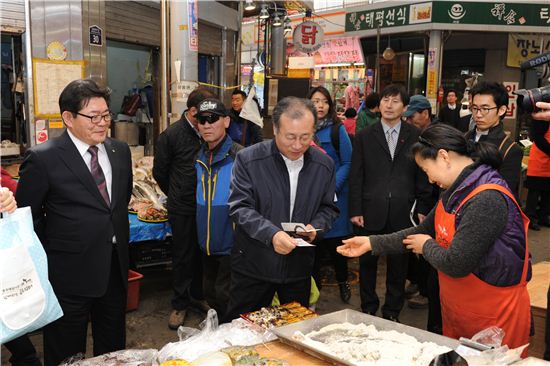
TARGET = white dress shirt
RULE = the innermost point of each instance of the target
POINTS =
(480, 133)
(102, 157)
(294, 167)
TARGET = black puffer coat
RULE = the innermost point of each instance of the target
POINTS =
(174, 166)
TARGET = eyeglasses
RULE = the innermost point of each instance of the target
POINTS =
(211, 118)
(97, 118)
(484, 110)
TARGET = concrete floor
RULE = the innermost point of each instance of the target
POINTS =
(147, 326)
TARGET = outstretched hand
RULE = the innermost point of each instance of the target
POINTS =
(354, 247)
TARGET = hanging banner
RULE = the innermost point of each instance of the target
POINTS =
(522, 47)
(431, 82)
(308, 37)
(339, 50)
(193, 15)
(511, 87)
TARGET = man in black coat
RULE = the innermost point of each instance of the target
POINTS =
(242, 131)
(489, 105)
(78, 187)
(450, 113)
(384, 183)
(284, 180)
(174, 171)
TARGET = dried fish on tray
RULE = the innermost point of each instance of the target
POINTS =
(348, 337)
(278, 315)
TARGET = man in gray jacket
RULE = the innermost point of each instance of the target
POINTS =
(279, 181)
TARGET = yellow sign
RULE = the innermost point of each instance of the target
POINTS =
(299, 73)
(56, 123)
(523, 47)
(431, 91)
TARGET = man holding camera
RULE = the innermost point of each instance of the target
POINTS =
(489, 106)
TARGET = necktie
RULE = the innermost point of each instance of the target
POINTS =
(391, 141)
(97, 174)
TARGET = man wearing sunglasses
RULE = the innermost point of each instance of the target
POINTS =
(78, 186)
(174, 171)
(214, 226)
(489, 106)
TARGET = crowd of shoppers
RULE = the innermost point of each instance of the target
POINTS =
(229, 193)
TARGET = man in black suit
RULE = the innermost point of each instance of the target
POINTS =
(78, 187)
(384, 182)
(450, 113)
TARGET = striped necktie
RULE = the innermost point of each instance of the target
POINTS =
(97, 174)
(392, 140)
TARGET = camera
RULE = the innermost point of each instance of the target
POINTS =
(527, 98)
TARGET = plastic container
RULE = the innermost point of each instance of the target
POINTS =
(133, 290)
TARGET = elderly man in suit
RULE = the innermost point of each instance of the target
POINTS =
(384, 183)
(78, 187)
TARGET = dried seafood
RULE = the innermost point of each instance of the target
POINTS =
(364, 345)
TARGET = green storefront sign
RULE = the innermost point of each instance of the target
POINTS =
(450, 12)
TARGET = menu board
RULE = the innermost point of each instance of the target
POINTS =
(49, 80)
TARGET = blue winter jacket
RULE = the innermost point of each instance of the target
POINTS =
(342, 162)
(214, 227)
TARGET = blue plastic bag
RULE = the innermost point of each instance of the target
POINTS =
(27, 300)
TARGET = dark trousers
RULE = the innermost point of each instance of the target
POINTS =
(537, 205)
(216, 271)
(340, 262)
(186, 261)
(23, 352)
(435, 324)
(67, 336)
(250, 294)
(396, 274)
(418, 272)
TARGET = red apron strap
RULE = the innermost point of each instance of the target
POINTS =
(525, 219)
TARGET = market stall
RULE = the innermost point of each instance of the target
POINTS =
(345, 337)
(150, 231)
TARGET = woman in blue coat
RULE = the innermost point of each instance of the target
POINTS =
(333, 139)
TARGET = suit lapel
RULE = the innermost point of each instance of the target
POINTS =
(404, 133)
(380, 138)
(74, 161)
(112, 153)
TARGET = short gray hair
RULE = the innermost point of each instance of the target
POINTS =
(294, 108)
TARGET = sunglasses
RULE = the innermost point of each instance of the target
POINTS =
(211, 118)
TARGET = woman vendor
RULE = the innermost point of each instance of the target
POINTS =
(480, 246)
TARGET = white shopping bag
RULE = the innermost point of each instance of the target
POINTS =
(27, 301)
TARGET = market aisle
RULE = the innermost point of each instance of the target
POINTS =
(147, 327)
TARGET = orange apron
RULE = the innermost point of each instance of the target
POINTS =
(539, 162)
(468, 304)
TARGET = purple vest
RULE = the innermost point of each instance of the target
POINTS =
(503, 263)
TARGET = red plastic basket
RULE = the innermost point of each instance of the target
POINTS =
(133, 290)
